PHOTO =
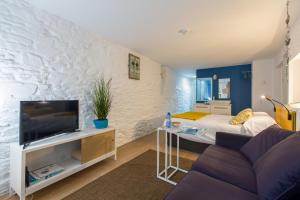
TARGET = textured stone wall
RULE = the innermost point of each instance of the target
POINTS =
(185, 93)
(263, 85)
(294, 68)
(280, 58)
(295, 38)
(43, 57)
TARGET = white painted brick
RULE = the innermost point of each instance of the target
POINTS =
(4, 166)
(45, 57)
(32, 59)
(17, 89)
(295, 38)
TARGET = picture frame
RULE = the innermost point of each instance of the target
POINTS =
(224, 88)
(133, 67)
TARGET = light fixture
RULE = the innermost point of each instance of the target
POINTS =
(264, 97)
(273, 100)
(183, 31)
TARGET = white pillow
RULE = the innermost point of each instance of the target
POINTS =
(260, 114)
(257, 123)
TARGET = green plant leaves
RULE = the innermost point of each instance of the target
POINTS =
(102, 98)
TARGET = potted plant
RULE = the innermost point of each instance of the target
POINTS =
(102, 99)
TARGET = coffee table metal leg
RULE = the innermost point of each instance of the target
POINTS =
(170, 149)
(163, 175)
(157, 152)
(178, 145)
(177, 153)
(166, 154)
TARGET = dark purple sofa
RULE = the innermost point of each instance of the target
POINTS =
(265, 167)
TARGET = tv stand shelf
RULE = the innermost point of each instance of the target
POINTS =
(92, 145)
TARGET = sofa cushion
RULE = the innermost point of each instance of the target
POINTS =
(278, 170)
(227, 165)
(231, 140)
(195, 186)
(262, 142)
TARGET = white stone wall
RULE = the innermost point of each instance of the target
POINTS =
(43, 57)
(185, 93)
(295, 31)
(294, 67)
(280, 58)
(276, 84)
(263, 85)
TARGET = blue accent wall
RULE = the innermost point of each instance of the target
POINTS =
(240, 84)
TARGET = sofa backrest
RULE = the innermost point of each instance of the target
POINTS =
(278, 170)
(261, 143)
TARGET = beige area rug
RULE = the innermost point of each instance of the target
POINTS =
(134, 180)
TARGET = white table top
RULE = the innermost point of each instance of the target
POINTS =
(203, 135)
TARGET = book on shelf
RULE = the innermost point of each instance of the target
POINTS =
(43, 173)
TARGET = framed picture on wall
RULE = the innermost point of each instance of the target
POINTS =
(133, 67)
(224, 88)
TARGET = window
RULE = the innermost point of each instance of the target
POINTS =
(203, 89)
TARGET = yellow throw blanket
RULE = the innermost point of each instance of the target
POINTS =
(191, 115)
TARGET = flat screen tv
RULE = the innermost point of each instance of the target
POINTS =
(42, 119)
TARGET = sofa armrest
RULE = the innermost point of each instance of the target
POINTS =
(231, 141)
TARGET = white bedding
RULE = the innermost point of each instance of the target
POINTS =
(213, 124)
(220, 123)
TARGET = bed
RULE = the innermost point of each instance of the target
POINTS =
(212, 123)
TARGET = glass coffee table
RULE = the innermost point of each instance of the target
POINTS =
(168, 166)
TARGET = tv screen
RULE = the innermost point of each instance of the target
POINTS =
(42, 119)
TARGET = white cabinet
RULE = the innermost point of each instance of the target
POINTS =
(221, 109)
(92, 146)
(201, 107)
(214, 107)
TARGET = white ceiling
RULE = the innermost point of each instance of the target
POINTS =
(222, 32)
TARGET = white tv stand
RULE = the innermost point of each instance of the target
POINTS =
(73, 151)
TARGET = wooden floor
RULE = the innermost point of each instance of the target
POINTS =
(125, 153)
